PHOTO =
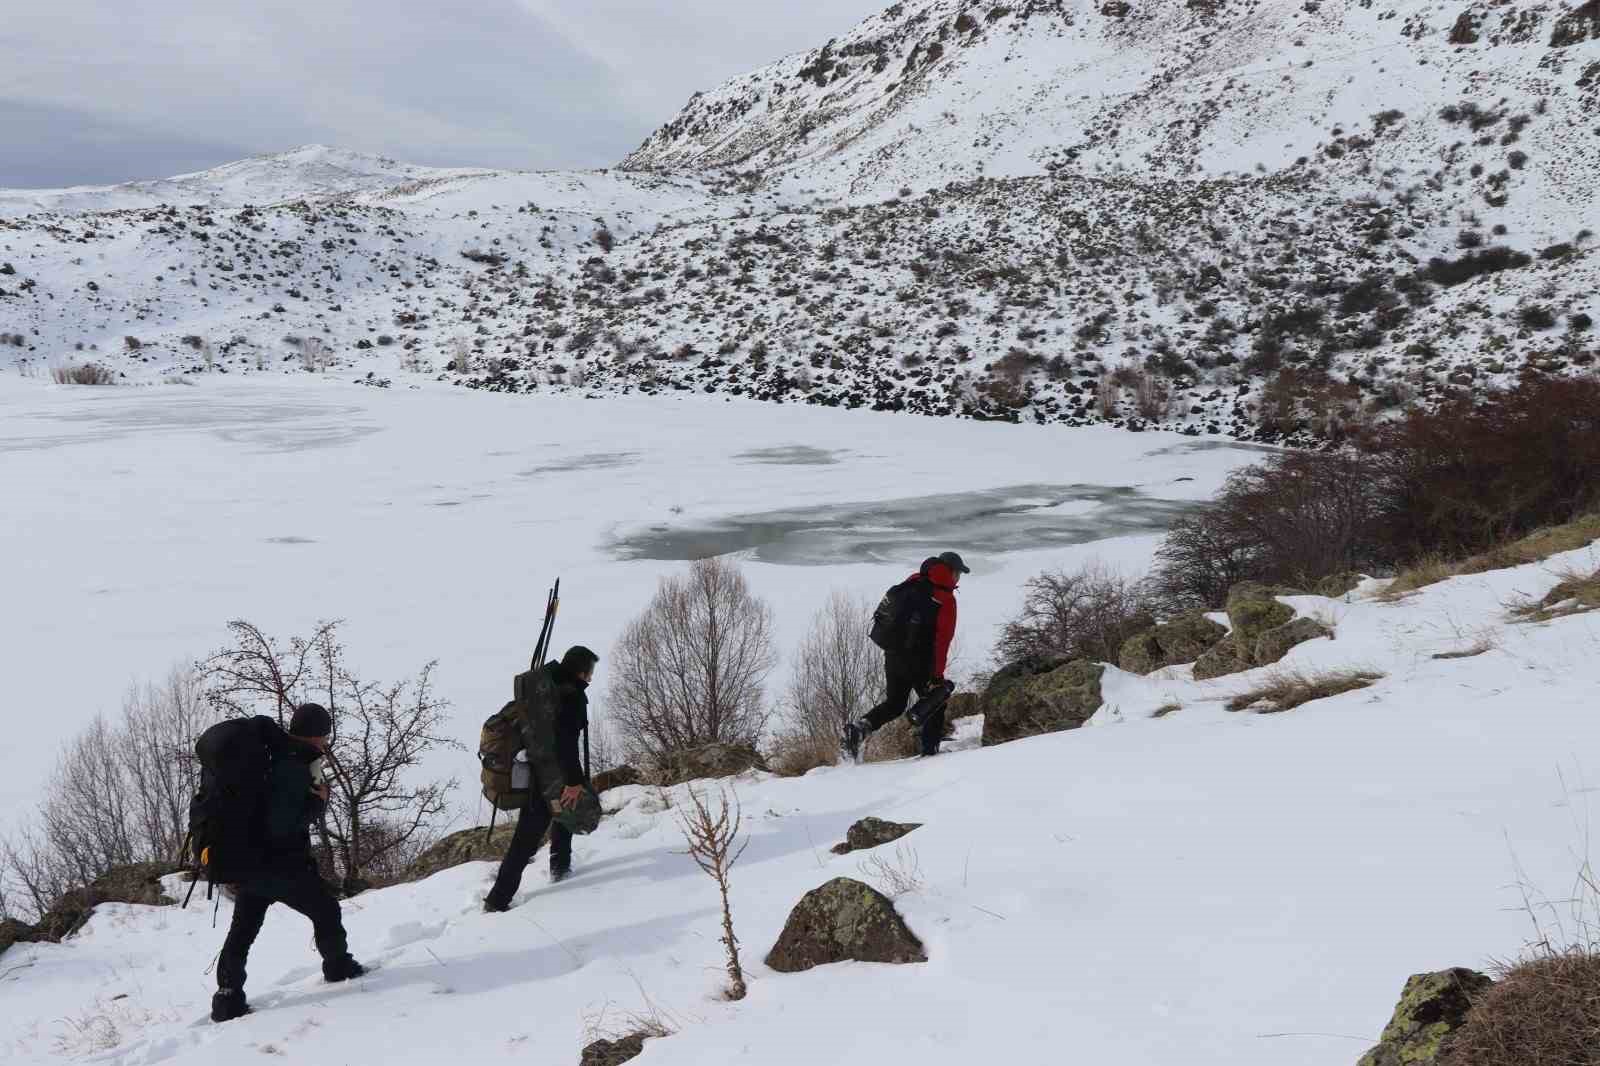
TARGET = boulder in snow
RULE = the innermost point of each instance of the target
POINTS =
(468, 845)
(1274, 644)
(842, 921)
(708, 761)
(613, 1052)
(615, 777)
(872, 832)
(15, 932)
(138, 882)
(1064, 698)
(1253, 611)
(1182, 640)
(1431, 1008)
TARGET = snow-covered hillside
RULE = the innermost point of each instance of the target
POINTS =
(1245, 218)
(1202, 888)
(310, 172)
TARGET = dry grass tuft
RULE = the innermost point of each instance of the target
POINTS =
(794, 754)
(1576, 593)
(1542, 1011)
(894, 877)
(1536, 547)
(1166, 709)
(1286, 689)
(83, 374)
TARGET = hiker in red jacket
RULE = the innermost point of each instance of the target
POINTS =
(914, 626)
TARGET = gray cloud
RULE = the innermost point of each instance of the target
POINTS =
(103, 90)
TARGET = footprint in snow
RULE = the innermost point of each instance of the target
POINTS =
(410, 932)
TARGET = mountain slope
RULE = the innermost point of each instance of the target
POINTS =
(310, 172)
(1206, 888)
(1267, 220)
(933, 91)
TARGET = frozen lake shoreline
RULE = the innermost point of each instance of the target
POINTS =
(432, 520)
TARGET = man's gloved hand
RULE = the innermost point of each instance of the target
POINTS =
(944, 683)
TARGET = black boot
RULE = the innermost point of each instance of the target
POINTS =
(559, 872)
(343, 969)
(494, 906)
(228, 1004)
(854, 734)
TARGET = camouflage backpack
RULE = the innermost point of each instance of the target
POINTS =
(507, 784)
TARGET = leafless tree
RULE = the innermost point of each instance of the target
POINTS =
(315, 354)
(460, 354)
(160, 724)
(380, 733)
(836, 678)
(1084, 614)
(119, 794)
(715, 846)
(690, 670)
(253, 675)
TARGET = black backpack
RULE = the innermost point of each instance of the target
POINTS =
(225, 816)
(903, 621)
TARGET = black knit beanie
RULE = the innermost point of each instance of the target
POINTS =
(311, 720)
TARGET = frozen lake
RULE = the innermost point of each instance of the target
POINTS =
(141, 520)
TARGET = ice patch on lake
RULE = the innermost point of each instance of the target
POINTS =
(991, 522)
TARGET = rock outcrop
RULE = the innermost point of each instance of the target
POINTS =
(1064, 698)
(1431, 1008)
(613, 1052)
(708, 761)
(135, 883)
(1182, 640)
(469, 845)
(844, 920)
(872, 833)
(1263, 631)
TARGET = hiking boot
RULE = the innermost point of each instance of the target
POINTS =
(342, 970)
(494, 906)
(559, 872)
(854, 734)
(228, 1004)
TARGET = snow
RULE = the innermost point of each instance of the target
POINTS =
(1084, 193)
(433, 520)
(1204, 888)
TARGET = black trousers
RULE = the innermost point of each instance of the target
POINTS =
(531, 825)
(303, 892)
(903, 679)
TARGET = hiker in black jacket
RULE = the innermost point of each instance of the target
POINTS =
(569, 679)
(283, 871)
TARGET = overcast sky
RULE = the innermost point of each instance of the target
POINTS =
(95, 91)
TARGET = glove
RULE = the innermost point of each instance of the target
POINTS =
(944, 683)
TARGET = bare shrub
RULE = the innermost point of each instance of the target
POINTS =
(83, 374)
(1083, 614)
(315, 355)
(375, 816)
(460, 355)
(119, 794)
(690, 669)
(894, 877)
(1294, 519)
(1472, 474)
(1285, 689)
(837, 677)
(605, 239)
(715, 846)
(649, 1021)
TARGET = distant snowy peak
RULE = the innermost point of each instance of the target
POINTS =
(939, 90)
(312, 171)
